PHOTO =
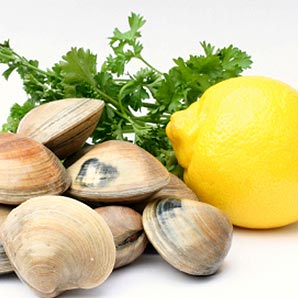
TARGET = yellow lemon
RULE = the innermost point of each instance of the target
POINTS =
(238, 145)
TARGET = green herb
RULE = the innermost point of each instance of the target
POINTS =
(138, 104)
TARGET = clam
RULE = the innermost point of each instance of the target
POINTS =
(62, 125)
(5, 265)
(4, 211)
(78, 154)
(127, 229)
(56, 244)
(28, 169)
(116, 171)
(176, 188)
(192, 236)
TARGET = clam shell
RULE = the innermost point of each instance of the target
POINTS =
(5, 265)
(4, 211)
(56, 243)
(127, 229)
(193, 237)
(116, 171)
(77, 155)
(62, 125)
(176, 188)
(28, 169)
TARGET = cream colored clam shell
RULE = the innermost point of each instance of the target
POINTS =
(193, 237)
(56, 243)
(5, 265)
(116, 171)
(62, 125)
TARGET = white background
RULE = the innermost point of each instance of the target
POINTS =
(260, 263)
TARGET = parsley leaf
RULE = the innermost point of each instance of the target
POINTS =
(78, 66)
(125, 45)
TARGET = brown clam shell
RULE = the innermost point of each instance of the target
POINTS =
(28, 169)
(127, 229)
(62, 125)
(116, 171)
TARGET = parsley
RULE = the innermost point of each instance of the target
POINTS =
(138, 104)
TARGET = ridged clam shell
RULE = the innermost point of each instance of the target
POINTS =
(127, 229)
(116, 171)
(56, 243)
(5, 265)
(28, 169)
(62, 125)
(193, 237)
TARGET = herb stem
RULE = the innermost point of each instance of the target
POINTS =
(115, 104)
(150, 105)
(140, 57)
(25, 62)
(104, 95)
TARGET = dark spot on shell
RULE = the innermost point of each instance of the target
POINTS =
(94, 173)
(168, 205)
(165, 207)
(130, 239)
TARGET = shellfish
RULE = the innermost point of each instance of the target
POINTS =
(127, 229)
(62, 125)
(192, 236)
(28, 169)
(176, 188)
(56, 243)
(116, 171)
(5, 265)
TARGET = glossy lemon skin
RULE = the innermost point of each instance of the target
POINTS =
(238, 145)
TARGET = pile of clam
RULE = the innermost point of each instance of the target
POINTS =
(68, 224)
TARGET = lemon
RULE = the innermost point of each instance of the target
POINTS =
(238, 145)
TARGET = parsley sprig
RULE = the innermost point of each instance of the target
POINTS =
(137, 105)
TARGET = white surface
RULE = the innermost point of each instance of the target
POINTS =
(260, 263)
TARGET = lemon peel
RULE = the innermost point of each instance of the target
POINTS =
(238, 145)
